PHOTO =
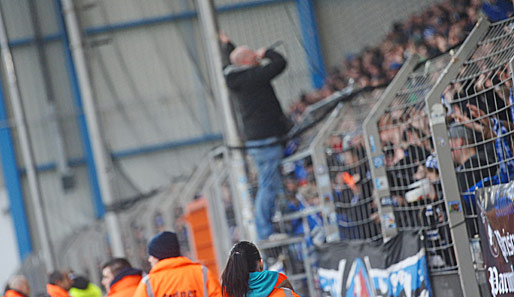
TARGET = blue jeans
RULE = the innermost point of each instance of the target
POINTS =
(267, 160)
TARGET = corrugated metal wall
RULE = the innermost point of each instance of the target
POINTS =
(350, 25)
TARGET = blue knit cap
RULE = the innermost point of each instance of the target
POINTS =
(164, 245)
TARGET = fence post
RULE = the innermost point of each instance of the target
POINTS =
(374, 149)
(439, 130)
(309, 28)
(322, 174)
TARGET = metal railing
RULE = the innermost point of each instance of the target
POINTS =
(350, 172)
(404, 157)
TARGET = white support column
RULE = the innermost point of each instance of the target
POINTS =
(239, 182)
(102, 161)
(27, 153)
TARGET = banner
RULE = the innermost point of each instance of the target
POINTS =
(396, 268)
(496, 229)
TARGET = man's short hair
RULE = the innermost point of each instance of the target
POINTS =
(239, 55)
(116, 265)
(55, 277)
(15, 281)
(463, 132)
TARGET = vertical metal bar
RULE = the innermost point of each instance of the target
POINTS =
(81, 119)
(246, 220)
(217, 215)
(322, 174)
(56, 131)
(311, 42)
(12, 183)
(101, 159)
(307, 263)
(200, 94)
(26, 147)
(447, 173)
(374, 151)
(511, 64)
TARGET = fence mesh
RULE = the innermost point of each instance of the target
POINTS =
(411, 166)
(349, 172)
(481, 118)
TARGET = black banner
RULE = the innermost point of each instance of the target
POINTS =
(396, 268)
(496, 228)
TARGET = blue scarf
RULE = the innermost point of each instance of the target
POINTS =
(503, 150)
(262, 283)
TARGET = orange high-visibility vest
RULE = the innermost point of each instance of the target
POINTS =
(125, 287)
(178, 277)
(283, 292)
(13, 293)
(56, 291)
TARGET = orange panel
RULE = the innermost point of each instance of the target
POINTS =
(198, 218)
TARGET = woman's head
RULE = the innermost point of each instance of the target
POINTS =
(244, 258)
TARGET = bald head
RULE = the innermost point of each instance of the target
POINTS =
(20, 284)
(243, 56)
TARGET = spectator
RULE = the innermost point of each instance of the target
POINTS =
(17, 286)
(244, 275)
(428, 33)
(472, 164)
(174, 275)
(81, 287)
(264, 122)
(119, 278)
(58, 284)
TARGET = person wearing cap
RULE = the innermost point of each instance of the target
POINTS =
(58, 284)
(17, 286)
(172, 275)
(119, 278)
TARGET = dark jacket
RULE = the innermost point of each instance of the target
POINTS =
(260, 111)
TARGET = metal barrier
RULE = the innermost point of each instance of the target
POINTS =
(403, 157)
(405, 169)
(350, 173)
(414, 145)
(473, 143)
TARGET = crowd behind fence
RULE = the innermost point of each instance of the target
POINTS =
(411, 164)
(478, 119)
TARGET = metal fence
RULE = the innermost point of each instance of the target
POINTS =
(473, 142)
(350, 173)
(404, 150)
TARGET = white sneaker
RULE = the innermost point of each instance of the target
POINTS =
(277, 237)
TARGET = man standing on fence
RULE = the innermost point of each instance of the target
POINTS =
(264, 122)
(173, 275)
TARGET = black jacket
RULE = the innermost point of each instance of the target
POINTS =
(258, 105)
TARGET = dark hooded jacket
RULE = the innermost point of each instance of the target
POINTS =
(260, 110)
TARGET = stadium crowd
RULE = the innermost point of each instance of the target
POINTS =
(480, 115)
(429, 33)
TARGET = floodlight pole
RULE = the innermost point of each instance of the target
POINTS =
(239, 181)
